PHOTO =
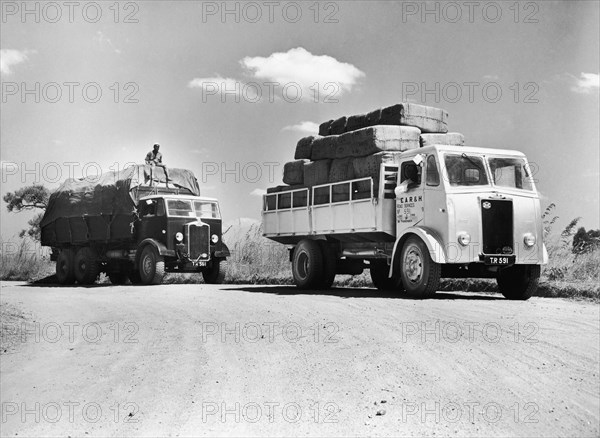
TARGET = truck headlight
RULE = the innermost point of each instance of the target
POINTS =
(214, 238)
(179, 237)
(464, 239)
(529, 240)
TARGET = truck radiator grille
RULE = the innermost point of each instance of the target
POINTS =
(198, 240)
(497, 226)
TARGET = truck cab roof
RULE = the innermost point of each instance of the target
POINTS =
(465, 149)
(166, 195)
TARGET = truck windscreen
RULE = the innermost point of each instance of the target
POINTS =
(207, 209)
(465, 170)
(511, 172)
(180, 207)
(190, 208)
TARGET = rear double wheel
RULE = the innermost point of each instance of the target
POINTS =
(329, 265)
(65, 269)
(307, 265)
(86, 265)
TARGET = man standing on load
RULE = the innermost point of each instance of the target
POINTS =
(154, 159)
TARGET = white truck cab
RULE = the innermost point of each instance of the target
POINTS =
(437, 211)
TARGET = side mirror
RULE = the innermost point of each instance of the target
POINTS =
(418, 159)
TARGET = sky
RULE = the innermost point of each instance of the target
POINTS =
(228, 89)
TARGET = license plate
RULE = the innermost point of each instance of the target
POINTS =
(201, 264)
(499, 260)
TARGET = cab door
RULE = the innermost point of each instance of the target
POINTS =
(436, 207)
(153, 220)
(409, 195)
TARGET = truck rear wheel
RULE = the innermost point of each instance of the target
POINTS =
(151, 266)
(307, 265)
(216, 273)
(379, 274)
(64, 267)
(86, 266)
(118, 277)
(519, 282)
(329, 265)
(420, 274)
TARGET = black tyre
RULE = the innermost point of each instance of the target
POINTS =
(307, 265)
(216, 273)
(329, 265)
(65, 273)
(134, 277)
(420, 274)
(118, 277)
(379, 274)
(519, 282)
(86, 266)
(151, 266)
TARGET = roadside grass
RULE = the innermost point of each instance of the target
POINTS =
(256, 260)
(24, 261)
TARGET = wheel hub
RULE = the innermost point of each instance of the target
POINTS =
(147, 265)
(413, 264)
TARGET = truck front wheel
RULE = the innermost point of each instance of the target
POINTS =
(379, 275)
(64, 267)
(86, 266)
(307, 265)
(151, 266)
(420, 274)
(216, 273)
(519, 282)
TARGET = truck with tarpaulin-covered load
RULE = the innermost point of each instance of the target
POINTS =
(135, 225)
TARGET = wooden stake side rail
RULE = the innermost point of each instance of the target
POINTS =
(288, 216)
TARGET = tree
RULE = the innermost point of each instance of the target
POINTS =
(585, 241)
(29, 198)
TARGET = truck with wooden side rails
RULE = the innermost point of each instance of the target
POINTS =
(134, 225)
(465, 212)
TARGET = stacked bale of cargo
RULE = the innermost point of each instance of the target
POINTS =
(354, 147)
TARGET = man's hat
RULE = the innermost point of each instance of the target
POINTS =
(156, 144)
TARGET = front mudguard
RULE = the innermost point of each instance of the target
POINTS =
(436, 250)
(223, 252)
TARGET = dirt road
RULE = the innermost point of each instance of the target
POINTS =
(245, 360)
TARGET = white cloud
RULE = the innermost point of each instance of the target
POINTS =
(228, 88)
(10, 58)
(258, 192)
(299, 66)
(102, 39)
(586, 83)
(306, 127)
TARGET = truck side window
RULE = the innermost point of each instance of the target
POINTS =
(160, 207)
(410, 171)
(433, 176)
(148, 208)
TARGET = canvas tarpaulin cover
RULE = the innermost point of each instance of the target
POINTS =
(113, 192)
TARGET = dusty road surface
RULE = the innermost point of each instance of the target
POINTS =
(203, 360)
